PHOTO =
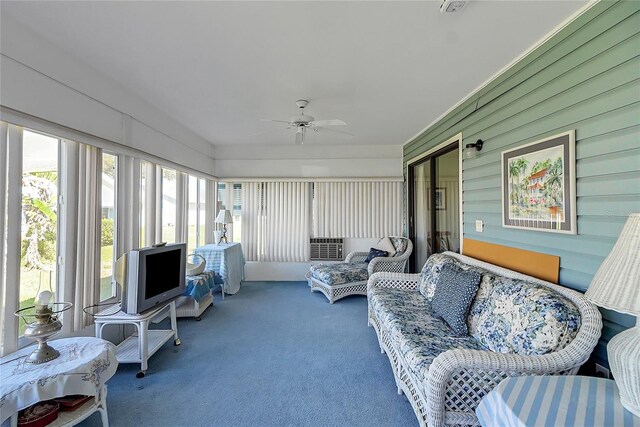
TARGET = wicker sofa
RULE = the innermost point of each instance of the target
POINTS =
(518, 325)
(339, 280)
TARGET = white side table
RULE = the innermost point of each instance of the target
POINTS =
(139, 348)
(568, 401)
(83, 367)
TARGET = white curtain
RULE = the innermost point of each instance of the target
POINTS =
(357, 209)
(10, 207)
(210, 209)
(252, 221)
(151, 208)
(276, 221)
(182, 207)
(127, 204)
(87, 232)
(286, 216)
(422, 212)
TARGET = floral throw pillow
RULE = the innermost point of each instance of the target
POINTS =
(430, 273)
(525, 318)
(453, 296)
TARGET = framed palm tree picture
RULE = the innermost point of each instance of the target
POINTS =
(539, 185)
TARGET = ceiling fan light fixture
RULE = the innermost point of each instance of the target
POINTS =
(300, 132)
(302, 121)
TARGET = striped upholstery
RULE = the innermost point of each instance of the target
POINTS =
(568, 401)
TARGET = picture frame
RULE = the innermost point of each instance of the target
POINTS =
(539, 185)
(441, 198)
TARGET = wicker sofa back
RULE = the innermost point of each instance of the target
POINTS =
(518, 325)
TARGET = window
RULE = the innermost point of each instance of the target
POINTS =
(197, 213)
(236, 212)
(38, 266)
(230, 197)
(222, 197)
(107, 226)
(168, 205)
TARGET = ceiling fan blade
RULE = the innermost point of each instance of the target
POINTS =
(271, 120)
(322, 129)
(331, 122)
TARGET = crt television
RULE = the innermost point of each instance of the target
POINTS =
(151, 276)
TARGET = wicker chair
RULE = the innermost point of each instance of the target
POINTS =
(457, 379)
(337, 281)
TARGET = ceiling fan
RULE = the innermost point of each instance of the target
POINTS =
(302, 122)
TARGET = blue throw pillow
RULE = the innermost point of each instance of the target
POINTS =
(375, 253)
(453, 295)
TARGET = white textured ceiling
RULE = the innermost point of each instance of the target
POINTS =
(387, 68)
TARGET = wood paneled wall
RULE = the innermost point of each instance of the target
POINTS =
(587, 78)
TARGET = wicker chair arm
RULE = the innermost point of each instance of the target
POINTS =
(385, 279)
(483, 370)
(395, 264)
(356, 257)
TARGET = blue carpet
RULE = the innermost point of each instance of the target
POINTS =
(273, 354)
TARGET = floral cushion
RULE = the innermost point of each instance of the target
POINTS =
(418, 335)
(525, 318)
(430, 273)
(398, 306)
(339, 274)
(419, 350)
(400, 243)
(480, 301)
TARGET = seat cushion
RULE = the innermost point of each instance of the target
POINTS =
(339, 274)
(525, 318)
(419, 336)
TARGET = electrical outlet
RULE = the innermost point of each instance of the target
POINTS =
(602, 372)
(479, 225)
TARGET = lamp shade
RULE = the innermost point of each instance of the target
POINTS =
(616, 285)
(224, 217)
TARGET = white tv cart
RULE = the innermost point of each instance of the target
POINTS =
(139, 347)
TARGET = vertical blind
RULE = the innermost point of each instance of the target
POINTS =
(86, 281)
(275, 221)
(357, 209)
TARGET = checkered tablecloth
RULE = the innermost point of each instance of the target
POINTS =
(227, 260)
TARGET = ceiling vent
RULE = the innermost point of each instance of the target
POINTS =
(452, 6)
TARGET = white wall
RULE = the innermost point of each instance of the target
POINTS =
(308, 161)
(295, 271)
(42, 80)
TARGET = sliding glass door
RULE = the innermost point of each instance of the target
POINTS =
(434, 211)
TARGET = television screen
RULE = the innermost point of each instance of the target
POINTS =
(162, 272)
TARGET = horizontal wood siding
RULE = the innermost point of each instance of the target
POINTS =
(587, 78)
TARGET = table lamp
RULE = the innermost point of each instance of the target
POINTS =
(45, 315)
(224, 217)
(616, 286)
